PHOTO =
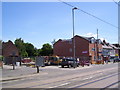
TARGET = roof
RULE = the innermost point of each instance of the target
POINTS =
(67, 40)
(86, 38)
(5, 44)
(117, 45)
(106, 47)
(114, 46)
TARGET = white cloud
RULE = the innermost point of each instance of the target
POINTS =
(90, 35)
(95, 36)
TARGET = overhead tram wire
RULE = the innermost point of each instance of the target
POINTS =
(89, 14)
(116, 2)
(66, 3)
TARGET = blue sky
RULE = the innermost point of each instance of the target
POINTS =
(42, 22)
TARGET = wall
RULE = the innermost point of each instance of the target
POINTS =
(9, 48)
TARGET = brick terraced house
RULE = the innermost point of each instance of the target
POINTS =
(85, 48)
(8, 49)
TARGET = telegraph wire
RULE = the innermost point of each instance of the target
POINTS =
(66, 3)
(116, 2)
(89, 14)
(98, 18)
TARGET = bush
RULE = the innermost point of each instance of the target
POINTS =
(1, 58)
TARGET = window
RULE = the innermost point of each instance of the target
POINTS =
(70, 49)
(100, 49)
(92, 40)
(70, 41)
(99, 42)
(99, 57)
(94, 57)
(93, 49)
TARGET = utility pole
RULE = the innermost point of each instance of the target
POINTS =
(119, 28)
(73, 35)
(97, 33)
(97, 50)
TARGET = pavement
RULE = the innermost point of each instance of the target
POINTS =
(20, 72)
(23, 71)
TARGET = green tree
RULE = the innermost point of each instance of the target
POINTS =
(30, 49)
(46, 50)
(36, 52)
(24, 54)
(21, 47)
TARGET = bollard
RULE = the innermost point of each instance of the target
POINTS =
(13, 67)
(37, 69)
(13, 63)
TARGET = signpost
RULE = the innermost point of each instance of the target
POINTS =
(39, 62)
(13, 60)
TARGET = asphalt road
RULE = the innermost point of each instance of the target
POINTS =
(94, 76)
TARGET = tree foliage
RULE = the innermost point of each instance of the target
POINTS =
(46, 50)
(21, 47)
(28, 49)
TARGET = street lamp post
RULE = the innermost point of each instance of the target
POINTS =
(73, 34)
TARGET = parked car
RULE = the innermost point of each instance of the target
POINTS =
(116, 60)
(26, 60)
(111, 59)
(69, 62)
(84, 62)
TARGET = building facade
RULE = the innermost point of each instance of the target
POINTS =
(118, 48)
(85, 48)
(109, 51)
(9, 49)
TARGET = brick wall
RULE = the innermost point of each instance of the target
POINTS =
(65, 47)
(9, 48)
(83, 48)
(95, 50)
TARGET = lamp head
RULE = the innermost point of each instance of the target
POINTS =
(75, 8)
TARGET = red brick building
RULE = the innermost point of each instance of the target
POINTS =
(8, 49)
(85, 48)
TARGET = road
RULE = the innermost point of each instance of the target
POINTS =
(94, 76)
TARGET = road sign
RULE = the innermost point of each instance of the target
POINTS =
(84, 51)
(39, 61)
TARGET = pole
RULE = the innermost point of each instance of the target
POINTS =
(97, 46)
(37, 69)
(119, 29)
(97, 33)
(13, 62)
(73, 35)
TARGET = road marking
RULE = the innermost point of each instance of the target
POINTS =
(87, 78)
(113, 84)
(21, 77)
(59, 85)
(91, 77)
(57, 80)
(84, 84)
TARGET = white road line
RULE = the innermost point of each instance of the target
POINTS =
(85, 78)
(91, 77)
(59, 85)
(94, 80)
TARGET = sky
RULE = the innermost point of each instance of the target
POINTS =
(42, 22)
